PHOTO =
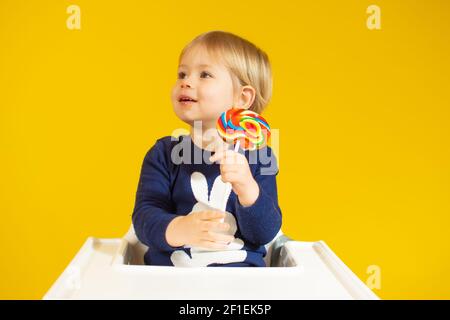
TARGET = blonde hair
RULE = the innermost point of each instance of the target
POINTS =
(246, 62)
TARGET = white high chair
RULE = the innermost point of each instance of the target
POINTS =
(114, 269)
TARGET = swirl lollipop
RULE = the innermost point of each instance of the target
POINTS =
(242, 125)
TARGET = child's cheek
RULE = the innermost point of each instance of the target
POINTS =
(220, 91)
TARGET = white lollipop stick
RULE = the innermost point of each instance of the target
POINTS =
(236, 147)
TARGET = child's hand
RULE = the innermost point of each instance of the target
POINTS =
(234, 168)
(197, 229)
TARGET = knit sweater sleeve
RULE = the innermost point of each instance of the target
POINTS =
(260, 222)
(153, 206)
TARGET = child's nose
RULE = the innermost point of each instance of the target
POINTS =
(186, 83)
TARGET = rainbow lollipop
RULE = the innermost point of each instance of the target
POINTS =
(242, 125)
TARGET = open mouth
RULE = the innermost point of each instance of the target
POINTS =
(186, 100)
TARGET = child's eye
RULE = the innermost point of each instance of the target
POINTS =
(205, 74)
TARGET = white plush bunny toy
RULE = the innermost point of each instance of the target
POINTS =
(201, 257)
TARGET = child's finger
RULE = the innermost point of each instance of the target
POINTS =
(217, 156)
(223, 226)
(216, 220)
(210, 214)
(227, 168)
(221, 154)
(218, 237)
(215, 224)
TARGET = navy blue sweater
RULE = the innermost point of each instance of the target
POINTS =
(178, 178)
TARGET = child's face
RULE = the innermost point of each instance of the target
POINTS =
(208, 82)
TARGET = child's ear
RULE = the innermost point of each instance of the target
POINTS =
(246, 97)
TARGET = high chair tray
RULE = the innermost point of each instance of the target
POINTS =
(104, 269)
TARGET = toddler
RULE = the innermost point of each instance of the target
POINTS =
(183, 211)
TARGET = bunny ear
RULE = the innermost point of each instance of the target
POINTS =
(219, 194)
(199, 187)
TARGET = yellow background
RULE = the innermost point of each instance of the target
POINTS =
(363, 118)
